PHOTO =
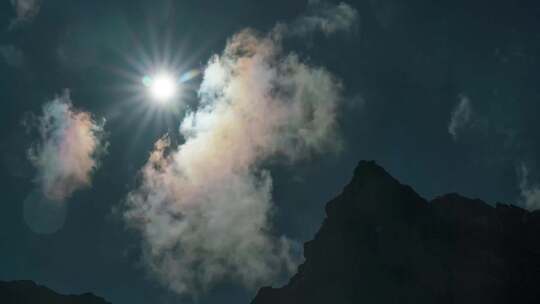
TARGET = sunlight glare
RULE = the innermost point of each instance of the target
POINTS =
(162, 87)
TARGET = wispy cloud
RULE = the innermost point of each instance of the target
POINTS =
(12, 55)
(324, 17)
(461, 118)
(26, 11)
(68, 150)
(530, 193)
(204, 208)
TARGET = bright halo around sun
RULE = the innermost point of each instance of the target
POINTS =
(162, 87)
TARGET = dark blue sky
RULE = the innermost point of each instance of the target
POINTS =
(404, 71)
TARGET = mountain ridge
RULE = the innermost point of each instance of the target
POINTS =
(28, 292)
(383, 243)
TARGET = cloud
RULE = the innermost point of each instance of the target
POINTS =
(26, 11)
(530, 193)
(12, 55)
(493, 139)
(324, 17)
(68, 150)
(204, 208)
(461, 118)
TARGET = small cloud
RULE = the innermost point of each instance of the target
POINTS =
(12, 55)
(26, 11)
(68, 150)
(491, 137)
(324, 17)
(461, 118)
(530, 193)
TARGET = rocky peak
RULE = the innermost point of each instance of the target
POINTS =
(382, 243)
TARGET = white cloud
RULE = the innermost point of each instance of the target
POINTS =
(530, 193)
(26, 11)
(68, 148)
(204, 208)
(461, 117)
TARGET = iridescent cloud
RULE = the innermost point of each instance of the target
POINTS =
(204, 208)
(68, 150)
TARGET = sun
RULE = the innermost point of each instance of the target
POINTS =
(162, 87)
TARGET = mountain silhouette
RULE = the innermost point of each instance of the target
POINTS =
(383, 243)
(28, 292)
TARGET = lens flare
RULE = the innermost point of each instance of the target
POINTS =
(187, 76)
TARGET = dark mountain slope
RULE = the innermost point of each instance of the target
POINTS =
(28, 292)
(382, 243)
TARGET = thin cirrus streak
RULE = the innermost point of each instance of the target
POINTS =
(68, 150)
(461, 118)
(204, 208)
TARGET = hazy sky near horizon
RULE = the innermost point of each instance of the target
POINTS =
(444, 96)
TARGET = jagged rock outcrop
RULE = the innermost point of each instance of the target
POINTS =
(28, 292)
(383, 243)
